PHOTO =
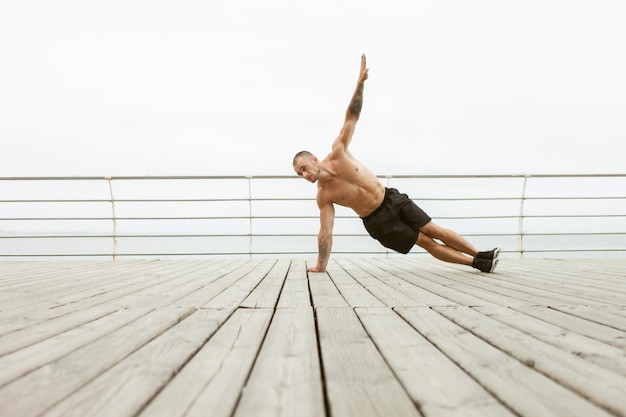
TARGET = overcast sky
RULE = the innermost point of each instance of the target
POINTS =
(145, 87)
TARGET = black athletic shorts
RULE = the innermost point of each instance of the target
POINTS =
(396, 222)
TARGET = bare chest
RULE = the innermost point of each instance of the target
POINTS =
(362, 197)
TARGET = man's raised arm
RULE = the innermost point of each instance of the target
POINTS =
(354, 108)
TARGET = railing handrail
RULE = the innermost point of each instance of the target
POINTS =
(283, 176)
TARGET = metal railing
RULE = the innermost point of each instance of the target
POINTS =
(578, 215)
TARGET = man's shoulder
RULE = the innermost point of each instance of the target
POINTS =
(333, 155)
(338, 150)
(323, 195)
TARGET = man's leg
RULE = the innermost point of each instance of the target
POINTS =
(448, 238)
(442, 252)
(454, 249)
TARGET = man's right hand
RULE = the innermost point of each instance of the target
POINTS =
(363, 73)
(315, 269)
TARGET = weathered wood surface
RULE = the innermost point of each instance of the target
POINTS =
(399, 336)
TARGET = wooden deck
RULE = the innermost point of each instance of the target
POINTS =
(372, 337)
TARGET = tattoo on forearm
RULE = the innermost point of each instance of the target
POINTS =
(357, 101)
(323, 252)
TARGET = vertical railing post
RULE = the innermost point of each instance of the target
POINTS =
(249, 178)
(521, 217)
(113, 216)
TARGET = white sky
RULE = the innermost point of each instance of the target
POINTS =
(145, 87)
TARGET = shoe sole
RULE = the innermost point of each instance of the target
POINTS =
(496, 253)
(494, 263)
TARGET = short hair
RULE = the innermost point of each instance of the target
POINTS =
(302, 154)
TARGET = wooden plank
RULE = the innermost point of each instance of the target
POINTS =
(584, 280)
(567, 288)
(56, 380)
(112, 284)
(124, 389)
(14, 272)
(60, 286)
(491, 288)
(594, 275)
(180, 282)
(18, 339)
(352, 291)
(34, 280)
(428, 280)
(63, 287)
(436, 384)
(617, 310)
(367, 275)
(102, 297)
(34, 356)
(266, 294)
(578, 325)
(597, 315)
(538, 287)
(523, 389)
(461, 280)
(136, 281)
(211, 382)
(358, 381)
(324, 293)
(418, 296)
(286, 378)
(215, 282)
(602, 354)
(295, 292)
(234, 294)
(603, 387)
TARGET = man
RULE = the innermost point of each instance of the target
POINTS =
(390, 217)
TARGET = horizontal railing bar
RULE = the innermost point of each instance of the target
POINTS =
(530, 216)
(295, 177)
(307, 235)
(172, 200)
(190, 254)
(282, 253)
(149, 177)
(211, 200)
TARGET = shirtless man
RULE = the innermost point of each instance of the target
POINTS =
(390, 217)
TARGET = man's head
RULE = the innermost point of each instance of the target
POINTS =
(307, 166)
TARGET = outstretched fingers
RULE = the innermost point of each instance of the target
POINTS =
(363, 74)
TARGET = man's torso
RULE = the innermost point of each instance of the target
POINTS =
(351, 184)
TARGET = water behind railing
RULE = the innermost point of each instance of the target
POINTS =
(260, 216)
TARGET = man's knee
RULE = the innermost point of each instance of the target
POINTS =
(425, 241)
(432, 230)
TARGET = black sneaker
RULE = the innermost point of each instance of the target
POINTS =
(492, 254)
(485, 265)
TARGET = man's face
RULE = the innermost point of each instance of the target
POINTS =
(307, 169)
